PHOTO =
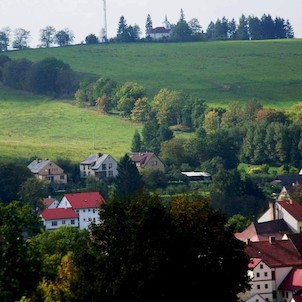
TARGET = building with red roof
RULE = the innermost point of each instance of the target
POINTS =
(54, 218)
(85, 204)
(272, 262)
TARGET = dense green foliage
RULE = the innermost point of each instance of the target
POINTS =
(143, 250)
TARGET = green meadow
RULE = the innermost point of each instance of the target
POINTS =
(218, 72)
(32, 126)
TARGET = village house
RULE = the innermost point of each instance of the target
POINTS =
(50, 203)
(99, 165)
(147, 161)
(54, 218)
(46, 170)
(85, 204)
(272, 262)
(76, 209)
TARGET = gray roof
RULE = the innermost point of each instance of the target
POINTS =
(99, 162)
(37, 165)
(91, 159)
(95, 160)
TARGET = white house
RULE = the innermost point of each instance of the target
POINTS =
(85, 204)
(98, 165)
(289, 210)
(57, 217)
(271, 263)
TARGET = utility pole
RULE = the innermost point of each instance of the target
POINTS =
(104, 29)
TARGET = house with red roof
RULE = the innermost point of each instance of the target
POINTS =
(147, 161)
(287, 209)
(85, 204)
(272, 261)
(50, 203)
(53, 218)
(291, 287)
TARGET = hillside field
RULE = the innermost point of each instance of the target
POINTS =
(32, 126)
(217, 72)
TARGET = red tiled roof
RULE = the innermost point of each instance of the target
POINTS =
(293, 208)
(48, 201)
(293, 281)
(278, 254)
(297, 298)
(142, 158)
(59, 213)
(254, 262)
(85, 200)
(159, 30)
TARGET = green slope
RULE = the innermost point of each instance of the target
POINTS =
(218, 72)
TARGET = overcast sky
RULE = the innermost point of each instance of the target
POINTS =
(84, 17)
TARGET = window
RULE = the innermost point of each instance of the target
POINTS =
(93, 210)
(300, 229)
(62, 177)
(84, 211)
(72, 221)
(258, 286)
(261, 266)
(54, 223)
(265, 285)
(110, 173)
(103, 166)
(110, 166)
(63, 221)
(88, 210)
(265, 274)
(257, 275)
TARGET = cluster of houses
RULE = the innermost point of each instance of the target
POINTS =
(80, 209)
(274, 244)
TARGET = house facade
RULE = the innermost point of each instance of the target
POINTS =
(289, 210)
(272, 262)
(46, 170)
(86, 205)
(147, 161)
(54, 218)
(100, 166)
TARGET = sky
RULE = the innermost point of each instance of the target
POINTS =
(84, 17)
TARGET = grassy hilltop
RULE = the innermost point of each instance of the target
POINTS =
(218, 72)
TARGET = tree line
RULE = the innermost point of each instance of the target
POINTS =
(247, 28)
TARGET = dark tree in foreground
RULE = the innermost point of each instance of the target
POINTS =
(19, 264)
(145, 250)
(12, 176)
(128, 181)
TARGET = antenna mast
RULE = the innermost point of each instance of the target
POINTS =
(104, 29)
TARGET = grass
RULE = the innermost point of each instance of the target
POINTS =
(218, 72)
(32, 126)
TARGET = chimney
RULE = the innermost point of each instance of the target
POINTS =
(248, 240)
(272, 239)
(272, 210)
